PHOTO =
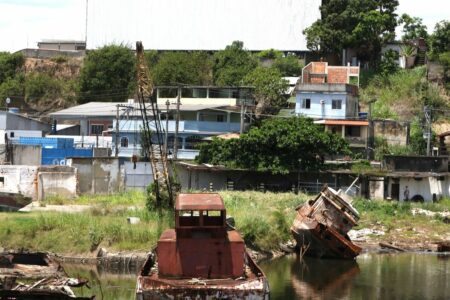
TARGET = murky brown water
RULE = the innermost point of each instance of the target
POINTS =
(371, 276)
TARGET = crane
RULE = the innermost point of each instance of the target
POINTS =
(162, 181)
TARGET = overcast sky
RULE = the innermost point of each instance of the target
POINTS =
(25, 22)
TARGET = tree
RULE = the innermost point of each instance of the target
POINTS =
(12, 88)
(232, 64)
(108, 74)
(10, 64)
(388, 64)
(182, 67)
(269, 91)
(440, 39)
(412, 28)
(39, 85)
(279, 145)
(361, 24)
(288, 65)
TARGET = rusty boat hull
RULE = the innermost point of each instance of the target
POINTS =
(321, 241)
(321, 226)
(151, 286)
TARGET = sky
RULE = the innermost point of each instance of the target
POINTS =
(23, 23)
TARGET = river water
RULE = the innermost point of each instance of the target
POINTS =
(371, 276)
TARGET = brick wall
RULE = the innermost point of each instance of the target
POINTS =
(337, 75)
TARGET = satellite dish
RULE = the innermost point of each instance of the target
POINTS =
(8, 100)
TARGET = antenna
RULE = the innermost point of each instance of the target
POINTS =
(86, 29)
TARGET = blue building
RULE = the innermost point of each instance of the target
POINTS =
(197, 124)
(327, 101)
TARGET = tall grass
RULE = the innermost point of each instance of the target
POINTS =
(263, 219)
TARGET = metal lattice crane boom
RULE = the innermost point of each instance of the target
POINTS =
(155, 150)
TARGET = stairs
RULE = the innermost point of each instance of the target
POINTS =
(421, 58)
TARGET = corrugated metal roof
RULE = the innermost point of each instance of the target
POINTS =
(202, 24)
(109, 109)
(343, 122)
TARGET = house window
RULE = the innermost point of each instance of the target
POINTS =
(11, 134)
(96, 129)
(2, 181)
(124, 142)
(220, 118)
(336, 104)
(353, 131)
(306, 103)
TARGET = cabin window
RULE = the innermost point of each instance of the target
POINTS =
(189, 218)
(220, 118)
(306, 103)
(336, 104)
(96, 128)
(213, 218)
(2, 181)
(11, 134)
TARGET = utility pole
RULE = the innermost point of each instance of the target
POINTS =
(177, 123)
(116, 139)
(241, 131)
(167, 126)
(427, 111)
(370, 133)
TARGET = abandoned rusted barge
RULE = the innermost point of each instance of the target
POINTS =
(202, 258)
(321, 226)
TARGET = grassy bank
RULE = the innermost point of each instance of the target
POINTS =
(262, 218)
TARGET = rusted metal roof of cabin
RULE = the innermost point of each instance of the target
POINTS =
(199, 201)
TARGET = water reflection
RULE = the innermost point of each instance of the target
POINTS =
(371, 276)
(105, 285)
(315, 279)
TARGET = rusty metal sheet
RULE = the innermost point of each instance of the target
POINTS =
(199, 201)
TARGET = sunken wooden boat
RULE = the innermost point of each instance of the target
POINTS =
(202, 258)
(35, 275)
(321, 226)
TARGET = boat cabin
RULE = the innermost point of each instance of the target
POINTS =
(200, 245)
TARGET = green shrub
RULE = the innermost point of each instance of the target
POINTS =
(59, 59)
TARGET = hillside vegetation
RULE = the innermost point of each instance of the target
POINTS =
(403, 94)
(39, 84)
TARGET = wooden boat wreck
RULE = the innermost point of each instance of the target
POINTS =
(321, 226)
(35, 275)
(202, 258)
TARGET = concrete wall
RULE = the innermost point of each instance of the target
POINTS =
(38, 182)
(97, 174)
(394, 132)
(19, 180)
(57, 183)
(426, 187)
(376, 188)
(30, 155)
(137, 175)
(416, 163)
(46, 53)
(196, 179)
